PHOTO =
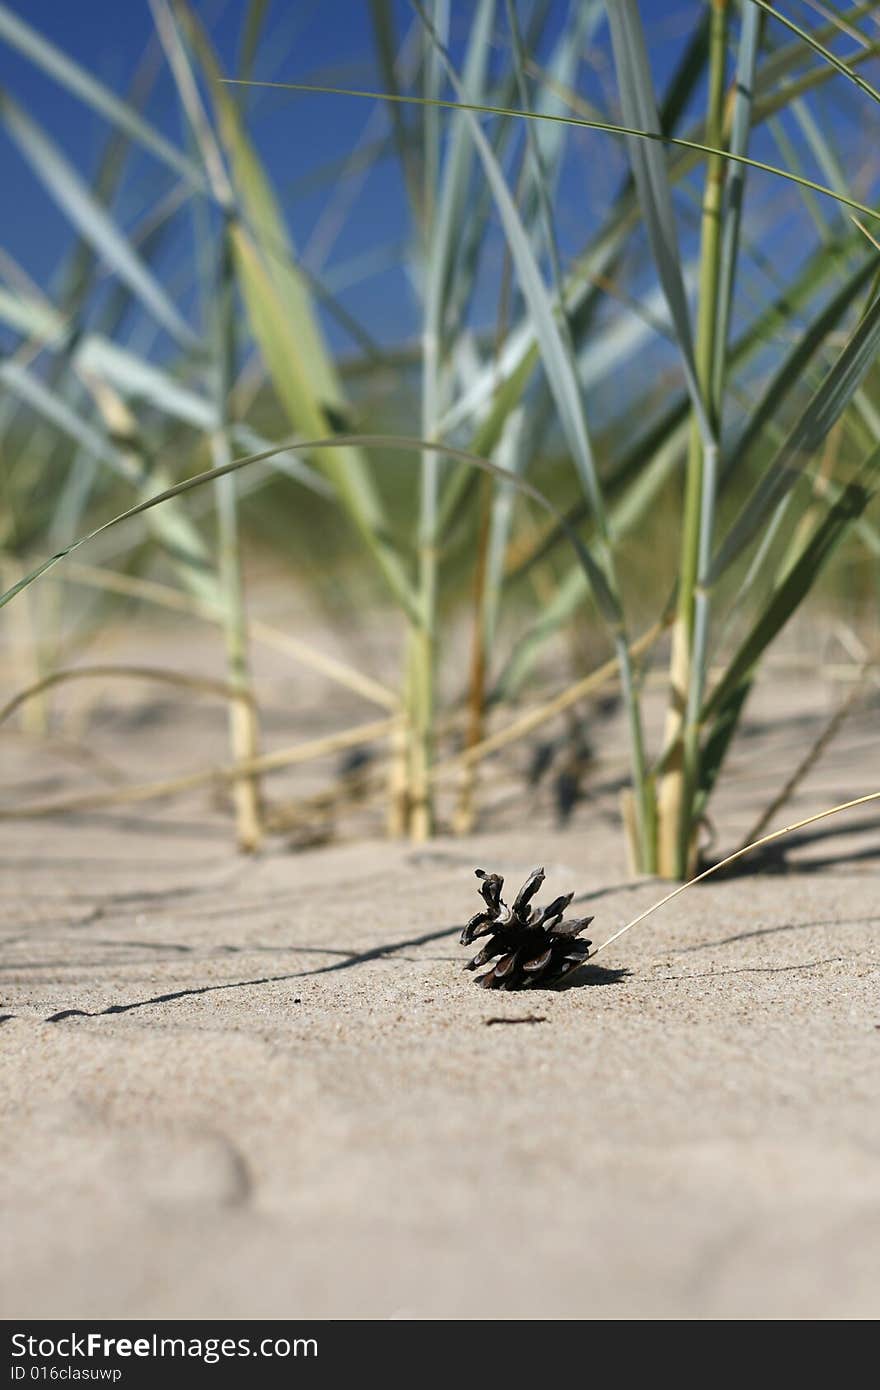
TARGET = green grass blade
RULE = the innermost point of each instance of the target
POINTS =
(191, 101)
(536, 164)
(132, 375)
(793, 588)
(789, 372)
(441, 239)
(549, 139)
(252, 32)
(284, 325)
(53, 61)
(719, 739)
(172, 527)
(572, 592)
(724, 707)
(75, 199)
(452, 205)
(820, 48)
(734, 190)
(825, 407)
(557, 356)
(34, 318)
(557, 360)
(648, 162)
(385, 36)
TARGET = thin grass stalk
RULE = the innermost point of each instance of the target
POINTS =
(382, 13)
(734, 191)
(559, 365)
(652, 185)
(402, 443)
(496, 504)
(244, 735)
(465, 813)
(422, 639)
(445, 200)
(732, 859)
(698, 149)
(690, 635)
(488, 575)
(242, 714)
(512, 452)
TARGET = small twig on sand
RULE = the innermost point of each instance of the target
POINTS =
(526, 1018)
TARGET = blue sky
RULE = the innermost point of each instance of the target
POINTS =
(300, 135)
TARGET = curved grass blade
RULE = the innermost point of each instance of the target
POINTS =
(365, 441)
(609, 127)
(732, 859)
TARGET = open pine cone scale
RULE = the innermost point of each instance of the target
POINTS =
(535, 945)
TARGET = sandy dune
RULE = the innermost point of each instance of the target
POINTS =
(265, 1087)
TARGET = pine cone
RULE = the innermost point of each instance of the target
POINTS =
(535, 945)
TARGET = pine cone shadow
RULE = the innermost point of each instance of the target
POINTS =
(586, 976)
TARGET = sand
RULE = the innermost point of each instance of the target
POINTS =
(264, 1087)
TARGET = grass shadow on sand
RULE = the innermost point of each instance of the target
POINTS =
(588, 975)
(375, 953)
(776, 858)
